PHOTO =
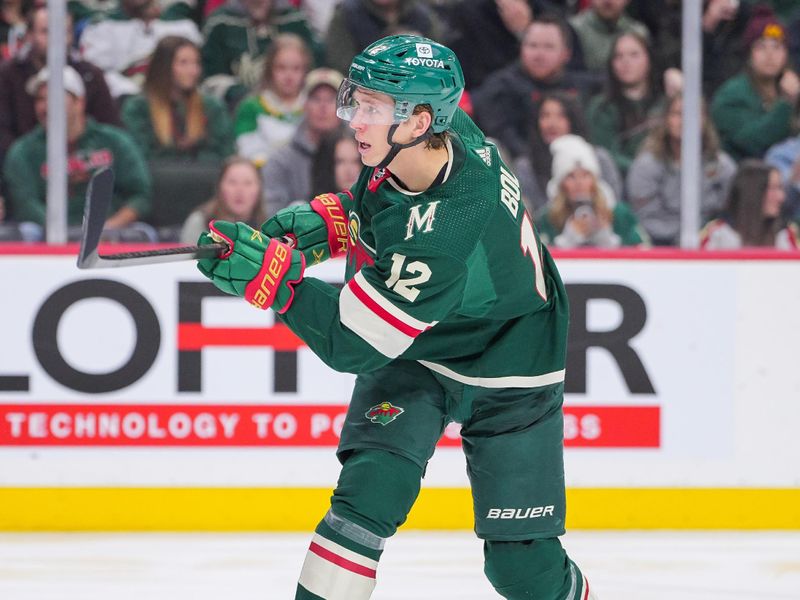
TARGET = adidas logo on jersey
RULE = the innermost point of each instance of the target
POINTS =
(485, 155)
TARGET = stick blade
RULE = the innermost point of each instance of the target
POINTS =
(95, 212)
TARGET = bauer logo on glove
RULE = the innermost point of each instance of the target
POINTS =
(263, 288)
(262, 270)
(318, 229)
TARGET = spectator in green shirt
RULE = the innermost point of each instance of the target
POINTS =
(621, 117)
(171, 119)
(91, 146)
(755, 109)
(599, 25)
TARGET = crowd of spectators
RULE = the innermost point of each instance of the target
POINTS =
(227, 109)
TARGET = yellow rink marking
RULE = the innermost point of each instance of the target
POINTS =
(297, 509)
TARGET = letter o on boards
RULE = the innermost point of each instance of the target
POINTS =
(45, 336)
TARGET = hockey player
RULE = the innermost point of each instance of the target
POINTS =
(452, 311)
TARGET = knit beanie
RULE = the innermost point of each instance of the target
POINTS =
(763, 23)
(569, 153)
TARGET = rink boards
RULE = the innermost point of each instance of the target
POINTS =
(140, 399)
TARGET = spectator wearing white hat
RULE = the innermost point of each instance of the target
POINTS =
(90, 146)
(582, 210)
(17, 116)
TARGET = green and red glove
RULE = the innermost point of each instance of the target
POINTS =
(319, 229)
(263, 271)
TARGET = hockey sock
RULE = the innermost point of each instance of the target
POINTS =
(341, 562)
(532, 570)
(376, 489)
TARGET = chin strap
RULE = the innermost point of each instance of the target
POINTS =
(395, 147)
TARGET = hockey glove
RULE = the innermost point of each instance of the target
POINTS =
(319, 229)
(261, 270)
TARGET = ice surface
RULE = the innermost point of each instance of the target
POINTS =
(641, 565)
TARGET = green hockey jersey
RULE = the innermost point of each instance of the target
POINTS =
(453, 277)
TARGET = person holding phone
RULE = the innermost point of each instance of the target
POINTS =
(583, 210)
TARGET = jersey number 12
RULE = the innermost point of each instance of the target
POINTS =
(405, 287)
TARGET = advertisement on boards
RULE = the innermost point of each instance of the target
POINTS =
(154, 369)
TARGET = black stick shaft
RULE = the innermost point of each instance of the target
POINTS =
(204, 251)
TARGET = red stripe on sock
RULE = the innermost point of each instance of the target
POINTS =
(341, 561)
(586, 591)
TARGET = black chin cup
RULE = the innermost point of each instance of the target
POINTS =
(395, 147)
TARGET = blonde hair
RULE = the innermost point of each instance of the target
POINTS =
(283, 41)
(561, 208)
(158, 91)
(658, 142)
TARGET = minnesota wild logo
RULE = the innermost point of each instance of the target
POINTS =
(384, 413)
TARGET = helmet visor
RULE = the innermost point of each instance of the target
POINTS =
(356, 103)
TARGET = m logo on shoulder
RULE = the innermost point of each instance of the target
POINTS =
(422, 221)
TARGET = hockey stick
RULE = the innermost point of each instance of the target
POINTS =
(98, 200)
